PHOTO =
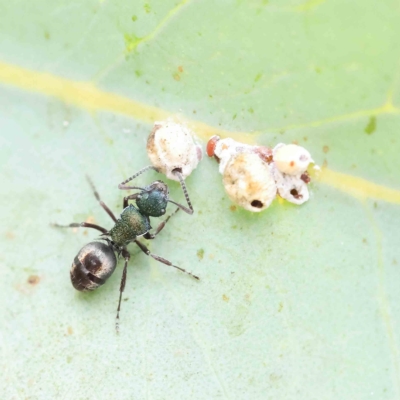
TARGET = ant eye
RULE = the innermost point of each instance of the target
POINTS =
(172, 147)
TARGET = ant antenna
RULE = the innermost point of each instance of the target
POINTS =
(140, 172)
(177, 172)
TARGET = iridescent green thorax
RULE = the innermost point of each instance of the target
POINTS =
(153, 201)
(131, 224)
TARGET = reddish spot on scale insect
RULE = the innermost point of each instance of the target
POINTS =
(265, 153)
(211, 145)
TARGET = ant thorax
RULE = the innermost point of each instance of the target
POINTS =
(131, 224)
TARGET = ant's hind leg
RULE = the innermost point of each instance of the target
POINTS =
(81, 225)
(101, 202)
(127, 256)
(162, 260)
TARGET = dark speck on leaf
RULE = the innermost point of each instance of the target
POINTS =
(33, 280)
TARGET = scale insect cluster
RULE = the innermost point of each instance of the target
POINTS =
(253, 175)
(172, 147)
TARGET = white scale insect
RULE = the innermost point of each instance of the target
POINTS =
(171, 147)
(253, 175)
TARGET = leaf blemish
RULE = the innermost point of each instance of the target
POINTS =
(200, 254)
(371, 127)
(258, 77)
(131, 42)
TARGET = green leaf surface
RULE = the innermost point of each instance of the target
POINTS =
(296, 302)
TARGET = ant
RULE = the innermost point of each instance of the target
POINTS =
(96, 261)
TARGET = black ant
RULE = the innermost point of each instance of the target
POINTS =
(96, 261)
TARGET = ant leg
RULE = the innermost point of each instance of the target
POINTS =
(130, 197)
(160, 227)
(127, 256)
(183, 185)
(101, 202)
(81, 225)
(123, 186)
(162, 260)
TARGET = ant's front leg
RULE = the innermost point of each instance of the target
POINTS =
(101, 202)
(130, 197)
(150, 236)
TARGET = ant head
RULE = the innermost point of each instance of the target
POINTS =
(153, 200)
(158, 186)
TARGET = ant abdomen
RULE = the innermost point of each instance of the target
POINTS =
(92, 266)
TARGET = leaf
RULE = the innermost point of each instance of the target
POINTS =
(295, 302)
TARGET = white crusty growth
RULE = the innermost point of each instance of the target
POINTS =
(225, 149)
(253, 175)
(291, 188)
(170, 147)
(248, 181)
(290, 163)
(291, 159)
